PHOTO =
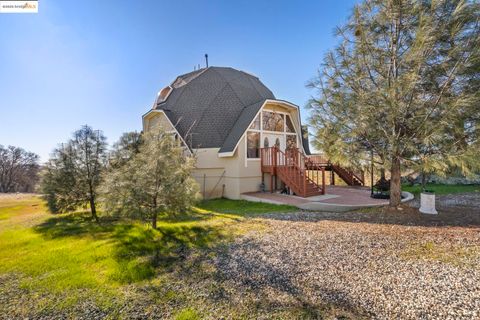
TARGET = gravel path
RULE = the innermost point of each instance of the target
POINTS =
(452, 203)
(378, 269)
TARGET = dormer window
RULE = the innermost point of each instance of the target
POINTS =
(163, 94)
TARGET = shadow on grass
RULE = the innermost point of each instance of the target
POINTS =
(138, 251)
(75, 225)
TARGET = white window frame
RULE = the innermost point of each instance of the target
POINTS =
(261, 131)
(267, 103)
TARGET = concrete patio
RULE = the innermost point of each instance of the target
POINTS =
(336, 199)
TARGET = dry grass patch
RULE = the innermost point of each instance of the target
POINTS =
(459, 255)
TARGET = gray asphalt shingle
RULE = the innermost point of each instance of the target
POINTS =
(213, 107)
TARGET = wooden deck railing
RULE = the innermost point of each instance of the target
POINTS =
(351, 177)
(290, 166)
(304, 175)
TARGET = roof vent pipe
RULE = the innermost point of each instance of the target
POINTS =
(206, 59)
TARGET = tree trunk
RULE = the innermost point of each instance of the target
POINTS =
(154, 220)
(93, 209)
(424, 181)
(395, 185)
(154, 215)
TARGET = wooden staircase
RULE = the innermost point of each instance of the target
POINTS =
(350, 177)
(290, 167)
(305, 176)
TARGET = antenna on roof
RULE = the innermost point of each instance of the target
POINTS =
(206, 59)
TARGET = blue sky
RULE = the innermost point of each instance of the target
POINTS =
(102, 62)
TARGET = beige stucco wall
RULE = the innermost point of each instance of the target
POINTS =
(228, 176)
(225, 176)
(155, 119)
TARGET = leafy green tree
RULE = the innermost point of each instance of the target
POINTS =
(156, 180)
(74, 172)
(403, 83)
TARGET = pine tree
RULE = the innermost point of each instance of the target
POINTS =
(127, 146)
(403, 83)
(156, 180)
(74, 172)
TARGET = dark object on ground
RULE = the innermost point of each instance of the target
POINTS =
(381, 189)
(262, 187)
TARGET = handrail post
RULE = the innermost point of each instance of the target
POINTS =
(274, 160)
(304, 183)
(323, 180)
(261, 157)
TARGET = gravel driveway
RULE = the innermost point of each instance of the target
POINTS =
(381, 270)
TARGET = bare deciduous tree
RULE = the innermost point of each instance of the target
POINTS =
(18, 169)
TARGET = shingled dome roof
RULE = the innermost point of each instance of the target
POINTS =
(212, 107)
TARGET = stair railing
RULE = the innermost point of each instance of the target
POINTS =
(293, 167)
(350, 176)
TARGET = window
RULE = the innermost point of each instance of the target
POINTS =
(253, 145)
(256, 123)
(272, 121)
(289, 123)
(277, 143)
(291, 141)
(265, 142)
(163, 94)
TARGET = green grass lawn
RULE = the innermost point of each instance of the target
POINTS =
(243, 207)
(74, 257)
(443, 188)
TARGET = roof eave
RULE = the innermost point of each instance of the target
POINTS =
(170, 122)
